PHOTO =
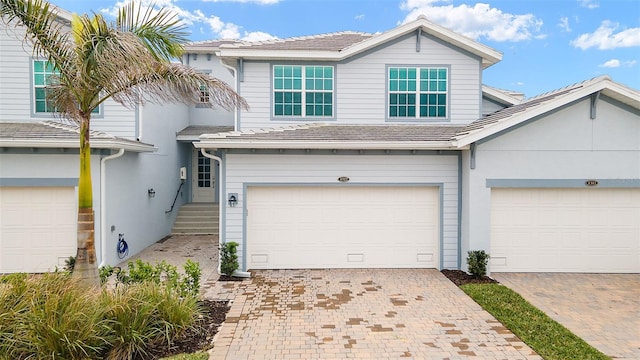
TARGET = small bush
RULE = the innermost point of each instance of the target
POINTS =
(161, 273)
(229, 258)
(477, 261)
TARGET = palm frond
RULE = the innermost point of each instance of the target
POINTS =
(160, 30)
(43, 29)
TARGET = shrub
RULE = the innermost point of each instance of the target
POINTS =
(229, 258)
(144, 314)
(161, 273)
(477, 262)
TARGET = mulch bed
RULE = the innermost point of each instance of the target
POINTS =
(460, 277)
(201, 337)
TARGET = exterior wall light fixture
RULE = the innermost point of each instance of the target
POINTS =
(151, 193)
(233, 199)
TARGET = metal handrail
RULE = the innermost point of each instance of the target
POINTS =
(175, 198)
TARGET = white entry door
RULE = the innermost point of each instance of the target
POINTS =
(342, 227)
(203, 179)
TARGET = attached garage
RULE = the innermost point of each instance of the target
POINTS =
(565, 230)
(37, 228)
(342, 227)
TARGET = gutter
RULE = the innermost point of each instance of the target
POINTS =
(224, 143)
(220, 202)
(103, 205)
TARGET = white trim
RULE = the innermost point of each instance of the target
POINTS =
(326, 144)
(489, 56)
(498, 95)
(75, 143)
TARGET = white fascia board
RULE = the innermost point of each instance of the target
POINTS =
(465, 140)
(489, 55)
(327, 145)
(622, 93)
(73, 144)
(499, 96)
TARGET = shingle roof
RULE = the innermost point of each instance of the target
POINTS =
(312, 136)
(192, 132)
(55, 134)
(331, 42)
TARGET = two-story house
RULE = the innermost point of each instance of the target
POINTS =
(385, 150)
(358, 150)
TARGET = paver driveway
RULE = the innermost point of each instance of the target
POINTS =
(363, 314)
(602, 309)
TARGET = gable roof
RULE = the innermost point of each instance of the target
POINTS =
(502, 96)
(342, 45)
(49, 134)
(541, 104)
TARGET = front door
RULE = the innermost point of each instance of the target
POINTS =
(203, 179)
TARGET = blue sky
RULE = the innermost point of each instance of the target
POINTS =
(546, 44)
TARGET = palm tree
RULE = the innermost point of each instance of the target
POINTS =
(129, 61)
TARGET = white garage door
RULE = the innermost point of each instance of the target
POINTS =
(37, 228)
(565, 230)
(342, 227)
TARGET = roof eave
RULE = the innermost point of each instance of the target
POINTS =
(326, 145)
(73, 144)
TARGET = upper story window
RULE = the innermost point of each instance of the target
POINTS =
(417, 92)
(303, 91)
(44, 74)
(204, 94)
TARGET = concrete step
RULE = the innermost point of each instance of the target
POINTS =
(197, 218)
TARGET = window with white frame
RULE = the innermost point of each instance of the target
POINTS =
(44, 74)
(303, 91)
(417, 92)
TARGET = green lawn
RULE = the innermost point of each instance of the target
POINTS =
(543, 334)
(196, 356)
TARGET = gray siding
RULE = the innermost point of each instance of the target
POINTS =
(360, 87)
(566, 144)
(243, 169)
(489, 107)
(16, 93)
(204, 115)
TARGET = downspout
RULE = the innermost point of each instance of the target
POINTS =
(103, 205)
(220, 202)
(235, 88)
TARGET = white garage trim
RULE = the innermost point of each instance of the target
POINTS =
(37, 228)
(359, 197)
(562, 183)
(25, 182)
(565, 230)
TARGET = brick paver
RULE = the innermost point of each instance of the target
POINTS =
(360, 314)
(343, 313)
(602, 309)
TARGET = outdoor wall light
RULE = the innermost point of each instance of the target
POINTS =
(151, 193)
(233, 199)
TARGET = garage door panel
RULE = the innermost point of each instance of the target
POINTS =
(342, 227)
(37, 228)
(565, 230)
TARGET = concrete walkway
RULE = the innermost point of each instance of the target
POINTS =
(602, 309)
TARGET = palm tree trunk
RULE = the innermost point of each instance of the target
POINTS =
(86, 266)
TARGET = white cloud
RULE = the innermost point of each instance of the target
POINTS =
(257, 36)
(604, 37)
(615, 63)
(477, 21)
(564, 24)
(589, 4)
(207, 24)
(359, 17)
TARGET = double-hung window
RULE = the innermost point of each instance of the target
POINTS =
(417, 92)
(303, 91)
(44, 74)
